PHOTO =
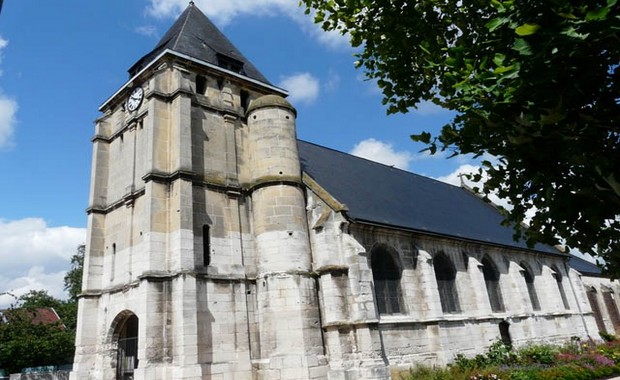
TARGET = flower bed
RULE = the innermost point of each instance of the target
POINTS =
(574, 360)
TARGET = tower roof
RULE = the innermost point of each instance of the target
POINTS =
(194, 35)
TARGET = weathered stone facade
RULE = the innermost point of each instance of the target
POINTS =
(211, 255)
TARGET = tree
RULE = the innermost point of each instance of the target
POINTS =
(26, 343)
(535, 84)
(73, 278)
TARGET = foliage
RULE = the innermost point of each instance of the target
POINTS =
(539, 353)
(534, 84)
(73, 278)
(426, 373)
(27, 344)
(571, 361)
(489, 376)
(498, 354)
(610, 350)
(607, 337)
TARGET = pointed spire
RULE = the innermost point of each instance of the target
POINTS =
(194, 35)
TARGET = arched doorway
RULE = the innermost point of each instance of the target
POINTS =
(126, 339)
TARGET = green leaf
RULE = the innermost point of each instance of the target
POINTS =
(572, 32)
(425, 50)
(423, 137)
(496, 23)
(498, 59)
(522, 46)
(569, 16)
(527, 29)
(597, 14)
(503, 69)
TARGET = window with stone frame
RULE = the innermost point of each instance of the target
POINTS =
(445, 275)
(612, 309)
(558, 280)
(531, 287)
(491, 281)
(206, 245)
(596, 309)
(386, 274)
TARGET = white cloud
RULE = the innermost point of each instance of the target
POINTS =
(333, 81)
(223, 12)
(382, 152)
(455, 177)
(35, 256)
(3, 43)
(428, 108)
(302, 87)
(147, 30)
(8, 109)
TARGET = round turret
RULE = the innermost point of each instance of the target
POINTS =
(270, 101)
(272, 141)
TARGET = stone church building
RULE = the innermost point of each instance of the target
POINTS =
(221, 247)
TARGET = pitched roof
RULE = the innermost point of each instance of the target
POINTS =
(194, 35)
(37, 316)
(379, 194)
(584, 267)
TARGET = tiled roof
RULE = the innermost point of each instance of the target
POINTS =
(379, 194)
(39, 315)
(194, 35)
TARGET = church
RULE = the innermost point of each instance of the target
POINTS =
(222, 247)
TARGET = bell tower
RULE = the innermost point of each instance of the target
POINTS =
(198, 262)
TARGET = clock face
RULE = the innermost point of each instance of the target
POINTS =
(135, 99)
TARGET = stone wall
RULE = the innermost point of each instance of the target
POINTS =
(57, 375)
(357, 335)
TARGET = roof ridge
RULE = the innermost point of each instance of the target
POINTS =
(178, 36)
(382, 164)
(195, 35)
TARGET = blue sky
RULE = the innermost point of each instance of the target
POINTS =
(60, 60)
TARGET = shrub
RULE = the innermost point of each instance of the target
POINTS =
(571, 361)
(607, 337)
(500, 354)
(490, 376)
(542, 353)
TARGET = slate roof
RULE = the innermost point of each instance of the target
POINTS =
(379, 194)
(584, 267)
(193, 34)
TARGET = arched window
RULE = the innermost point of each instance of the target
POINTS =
(491, 280)
(504, 333)
(596, 310)
(445, 274)
(531, 288)
(612, 309)
(386, 275)
(558, 279)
